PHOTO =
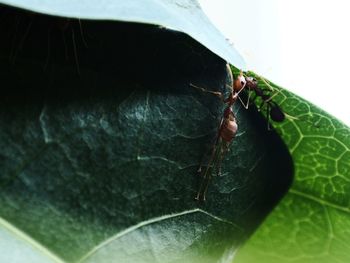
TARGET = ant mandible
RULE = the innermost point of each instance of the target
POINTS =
(226, 132)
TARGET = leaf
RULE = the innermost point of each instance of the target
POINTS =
(181, 15)
(17, 247)
(312, 222)
(100, 140)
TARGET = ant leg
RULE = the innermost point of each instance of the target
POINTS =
(75, 51)
(216, 93)
(214, 143)
(219, 160)
(206, 172)
(275, 94)
(200, 189)
(206, 176)
(266, 82)
(246, 106)
(25, 35)
(65, 45)
(82, 33)
(206, 187)
(237, 93)
(268, 112)
(203, 158)
(268, 116)
(11, 57)
(48, 49)
(221, 157)
(21, 42)
(205, 182)
(312, 123)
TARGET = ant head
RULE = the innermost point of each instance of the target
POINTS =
(252, 83)
(239, 82)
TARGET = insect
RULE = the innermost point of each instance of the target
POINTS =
(228, 125)
(273, 110)
(225, 134)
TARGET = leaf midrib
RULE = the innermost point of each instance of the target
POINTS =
(152, 221)
(49, 254)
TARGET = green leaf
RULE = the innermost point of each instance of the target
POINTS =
(100, 140)
(312, 222)
(181, 15)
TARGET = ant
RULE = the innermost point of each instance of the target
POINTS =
(273, 110)
(228, 125)
(226, 132)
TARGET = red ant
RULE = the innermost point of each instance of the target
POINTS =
(226, 132)
(228, 124)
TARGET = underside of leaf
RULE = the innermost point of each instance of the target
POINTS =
(101, 137)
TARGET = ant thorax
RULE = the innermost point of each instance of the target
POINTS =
(252, 83)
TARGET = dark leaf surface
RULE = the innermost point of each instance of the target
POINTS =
(100, 143)
(181, 15)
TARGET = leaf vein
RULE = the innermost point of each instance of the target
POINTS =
(149, 222)
(319, 200)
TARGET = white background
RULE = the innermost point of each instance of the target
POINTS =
(302, 45)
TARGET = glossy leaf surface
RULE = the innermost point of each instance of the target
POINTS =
(312, 222)
(101, 138)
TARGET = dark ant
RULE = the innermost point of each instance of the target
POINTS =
(228, 125)
(273, 110)
(226, 132)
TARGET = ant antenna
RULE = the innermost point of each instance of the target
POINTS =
(216, 93)
(82, 33)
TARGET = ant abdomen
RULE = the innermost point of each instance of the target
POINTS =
(277, 114)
